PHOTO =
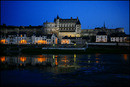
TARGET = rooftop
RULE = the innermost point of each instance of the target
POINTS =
(66, 37)
(101, 33)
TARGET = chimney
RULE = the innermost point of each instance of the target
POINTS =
(71, 17)
(77, 18)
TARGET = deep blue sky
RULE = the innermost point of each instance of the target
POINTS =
(91, 13)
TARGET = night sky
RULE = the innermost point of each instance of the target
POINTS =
(91, 13)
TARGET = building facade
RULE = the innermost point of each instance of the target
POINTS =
(23, 38)
(72, 40)
(101, 37)
(45, 39)
(63, 27)
(118, 37)
(93, 32)
(28, 29)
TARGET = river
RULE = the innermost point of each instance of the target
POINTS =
(65, 70)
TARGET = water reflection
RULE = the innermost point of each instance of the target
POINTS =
(97, 54)
(125, 56)
(89, 69)
(2, 59)
(59, 63)
(23, 59)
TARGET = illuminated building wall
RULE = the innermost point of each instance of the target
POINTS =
(118, 39)
(69, 34)
(3, 41)
(48, 39)
(65, 41)
(41, 42)
(101, 37)
(63, 27)
(21, 38)
(2, 59)
(72, 40)
(22, 42)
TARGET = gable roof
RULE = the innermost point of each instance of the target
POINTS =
(66, 37)
(118, 35)
(12, 33)
(67, 20)
(101, 33)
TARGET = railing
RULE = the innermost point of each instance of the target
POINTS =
(119, 44)
(65, 48)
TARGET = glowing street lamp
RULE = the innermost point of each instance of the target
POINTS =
(53, 45)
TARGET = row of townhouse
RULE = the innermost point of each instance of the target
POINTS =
(114, 37)
(39, 38)
(23, 38)
(73, 40)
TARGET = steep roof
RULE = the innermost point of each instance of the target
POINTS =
(58, 17)
(101, 33)
(22, 33)
(21, 27)
(49, 36)
(78, 22)
(38, 34)
(30, 27)
(118, 35)
(9, 27)
(12, 33)
(66, 37)
(67, 20)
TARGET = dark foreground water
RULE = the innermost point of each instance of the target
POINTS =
(65, 70)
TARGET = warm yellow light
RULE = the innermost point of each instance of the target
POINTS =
(41, 56)
(125, 56)
(42, 42)
(20, 64)
(2, 59)
(41, 59)
(23, 59)
(3, 41)
(65, 42)
(56, 41)
(97, 61)
(97, 58)
(74, 55)
(23, 42)
(56, 61)
(65, 59)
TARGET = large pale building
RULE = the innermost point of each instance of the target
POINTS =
(63, 27)
(93, 32)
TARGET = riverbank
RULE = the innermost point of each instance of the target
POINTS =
(87, 51)
(37, 49)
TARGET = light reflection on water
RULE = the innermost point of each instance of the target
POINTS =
(54, 61)
(67, 68)
(125, 56)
